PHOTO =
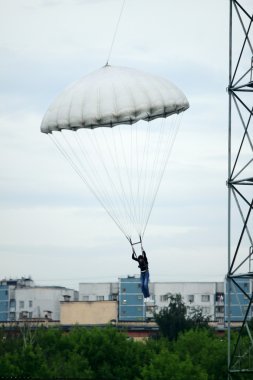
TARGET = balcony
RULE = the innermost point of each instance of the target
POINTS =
(219, 299)
(219, 303)
(219, 315)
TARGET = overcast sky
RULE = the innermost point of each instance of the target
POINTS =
(50, 226)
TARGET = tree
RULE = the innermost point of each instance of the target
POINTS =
(106, 354)
(205, 349)
(173, 319)
(197, 319)
(168, 366)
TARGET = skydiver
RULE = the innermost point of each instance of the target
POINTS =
(143, 265)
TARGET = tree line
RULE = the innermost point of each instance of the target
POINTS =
(108, 354)
(185, 349)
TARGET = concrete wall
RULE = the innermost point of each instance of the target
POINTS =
(36, 301)
(131, 306)
(194, 294)
(4, 302)
(97, 291)
(88, 313)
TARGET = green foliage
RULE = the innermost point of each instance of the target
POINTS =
(205, 349)
(196, 318)
(173, 319)
(168, 366)
(9, 365)
(108, 354)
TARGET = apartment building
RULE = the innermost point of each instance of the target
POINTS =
(240, 294)
(206, 296)
(22, 299)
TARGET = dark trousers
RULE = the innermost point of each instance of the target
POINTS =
(144, 283)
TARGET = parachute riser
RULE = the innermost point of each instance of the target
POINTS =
(138, 242)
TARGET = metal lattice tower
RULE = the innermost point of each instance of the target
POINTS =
(240, 186)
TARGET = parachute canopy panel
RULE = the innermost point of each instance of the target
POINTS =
(113, 95)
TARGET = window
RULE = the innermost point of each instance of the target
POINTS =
(245, 308)
(23, 314)
(21, 304)
(190, 298)
(206, 310)
(164, 298)
(85, 298)
(219, 297)
(205, 298)
(113, 297)
(30, 314)
(100, 298)
(12, 316)
(30, 303)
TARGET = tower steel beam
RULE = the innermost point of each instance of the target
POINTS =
(239, 284)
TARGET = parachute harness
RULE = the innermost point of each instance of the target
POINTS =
(133, 244)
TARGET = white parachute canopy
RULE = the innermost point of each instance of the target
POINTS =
(122, 165)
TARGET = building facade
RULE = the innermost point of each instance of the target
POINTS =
(100, 291)
(240, 294)
(89, 312)
(42, 301)
(130, 300)
(22, 299)
(7, 296)
(4, 302)
(205, 296)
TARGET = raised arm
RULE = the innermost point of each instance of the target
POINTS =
(145, 256)
(134, 257)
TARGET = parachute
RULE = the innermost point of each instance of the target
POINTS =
(116, 127)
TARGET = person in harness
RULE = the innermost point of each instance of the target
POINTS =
(143, 265)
